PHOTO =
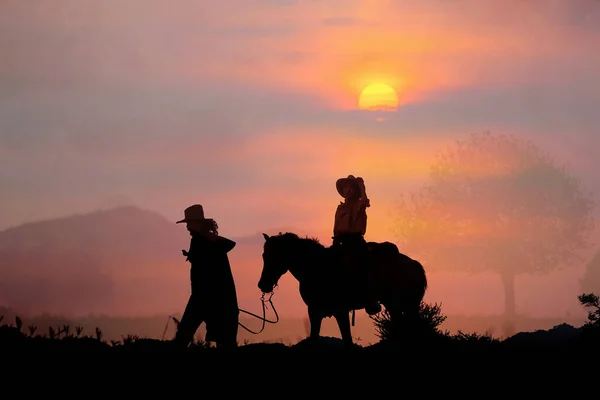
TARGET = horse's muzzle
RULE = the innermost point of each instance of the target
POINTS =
(265, 288)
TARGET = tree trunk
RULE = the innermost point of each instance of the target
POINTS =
(510, 312)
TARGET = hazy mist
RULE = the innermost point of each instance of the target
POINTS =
(116, 115)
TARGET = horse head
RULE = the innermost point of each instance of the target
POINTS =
(275, 262)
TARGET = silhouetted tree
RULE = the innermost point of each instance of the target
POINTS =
(591, 329)
(592, 302)
(496, 203)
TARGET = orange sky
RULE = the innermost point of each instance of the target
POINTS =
(239, 106)
(117, 113)
(249, 107)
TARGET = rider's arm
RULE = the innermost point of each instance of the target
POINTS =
(364, 200)
(338, 222)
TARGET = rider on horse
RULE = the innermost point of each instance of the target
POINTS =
(349, 229)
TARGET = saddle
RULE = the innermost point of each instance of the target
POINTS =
(347, 256)
(354, 265)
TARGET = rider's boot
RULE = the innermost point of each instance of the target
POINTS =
(372, 305)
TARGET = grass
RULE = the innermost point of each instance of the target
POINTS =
(425, 336)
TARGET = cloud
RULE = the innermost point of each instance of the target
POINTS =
(417, 46)
(342, 21)
(238, 99)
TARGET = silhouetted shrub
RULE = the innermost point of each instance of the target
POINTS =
(474, 340)
(428, 324)
(428, 328)
(591, 301)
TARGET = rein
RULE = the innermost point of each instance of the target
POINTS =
(263, 318)
(264, 308)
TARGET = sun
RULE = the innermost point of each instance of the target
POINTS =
(378, 97)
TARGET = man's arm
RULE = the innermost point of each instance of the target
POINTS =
(190, 253)
(226, 244)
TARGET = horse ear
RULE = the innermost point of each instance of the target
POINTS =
(266, 236)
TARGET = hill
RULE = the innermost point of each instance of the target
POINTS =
(124, 261)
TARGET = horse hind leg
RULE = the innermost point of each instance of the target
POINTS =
(315, 319)
(343, 321)
(404, 319)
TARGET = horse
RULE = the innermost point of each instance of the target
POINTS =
(330, 289)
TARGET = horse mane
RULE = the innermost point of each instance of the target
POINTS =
(289, 238)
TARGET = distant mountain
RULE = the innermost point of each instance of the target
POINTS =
(120, 261)
(122, 233)
(558, 334)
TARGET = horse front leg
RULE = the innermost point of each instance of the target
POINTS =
(343, 321)
(315, 319)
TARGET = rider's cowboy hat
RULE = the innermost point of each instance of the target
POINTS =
(340, 183)
(193, 213)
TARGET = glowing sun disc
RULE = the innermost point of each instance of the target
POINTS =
(378, 96)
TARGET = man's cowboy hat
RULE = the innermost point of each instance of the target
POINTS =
(193, 213)
(340, 183)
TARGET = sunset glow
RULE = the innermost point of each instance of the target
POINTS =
(378, 96)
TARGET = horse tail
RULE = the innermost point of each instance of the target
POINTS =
(420, 278)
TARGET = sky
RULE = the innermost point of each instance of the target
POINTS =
(249, 107)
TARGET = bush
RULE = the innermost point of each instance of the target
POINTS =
(428, 324)
(592, 326)
(591, 300)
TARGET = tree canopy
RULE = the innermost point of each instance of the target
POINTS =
(494, 202)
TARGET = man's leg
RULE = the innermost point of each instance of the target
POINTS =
(223, 331)
(189, 324)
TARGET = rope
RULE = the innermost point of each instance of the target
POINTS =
(263, 318)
